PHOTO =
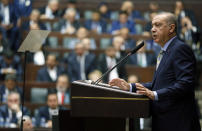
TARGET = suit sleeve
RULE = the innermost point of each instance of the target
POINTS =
(184, 67)
(147, 85)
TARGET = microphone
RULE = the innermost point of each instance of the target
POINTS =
(121, 61)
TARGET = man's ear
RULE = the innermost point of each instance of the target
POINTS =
(172, 28)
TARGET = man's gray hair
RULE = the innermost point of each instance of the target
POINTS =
(170, 18)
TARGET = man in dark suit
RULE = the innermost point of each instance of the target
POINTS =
(69, 24)
(171, 91)
(143, 58)
(33, 23)
(63, 91)
(107, 61)
(11, 112)
(80, 63)
(123, 22)
(44, 113)
(96, 24)
(10, 64)
(51, 71)
(8, 87)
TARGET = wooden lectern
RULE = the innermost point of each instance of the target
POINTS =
(101, 108)
(89, 100)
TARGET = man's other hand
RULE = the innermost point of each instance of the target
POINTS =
(120, 83)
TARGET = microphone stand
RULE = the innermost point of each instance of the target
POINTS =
(109, 70)
(122, 60)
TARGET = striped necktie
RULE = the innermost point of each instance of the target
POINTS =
(160, 56)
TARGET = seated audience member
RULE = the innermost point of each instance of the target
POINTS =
(128, 6)
(8, 24)
(189, 33)
(72, 4)
(3, 44)
(181, 12)
(62, 87)
(95, 75)
(123, 22)
(96, 23)
(143, 58)
(9, 86)
(80, 63)
(51, 11)
(104, 11)
(107, 61)
(33, 23)
(44, 113)
(51, 71)
(148, 26)
(11, 112)
(69, 24)
(118, 44)
(153, 8)
(81, 34)
(10, 64)
(128, 42)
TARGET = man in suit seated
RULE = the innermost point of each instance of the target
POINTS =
(80, 63)
(69, 24)
(107, 61)
(96, 24)
(62, 87)
(44, 114)
(10, 64)
(11, 112)
(173, 106)
(128, 6)
(123, 22)
(33, 23)
(143, 58)
(51, 71)
(81, 34)
(51, 11)
(9, 86)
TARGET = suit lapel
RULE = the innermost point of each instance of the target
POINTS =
(164, 59)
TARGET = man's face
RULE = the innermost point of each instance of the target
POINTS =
(96, 16)
(54, 6)
(10, 84)
(160, 29)
(52, 101)
(123, 18)
(62, 83)
(79, 49)
(13, 99)
(51, 61)
(34, 16)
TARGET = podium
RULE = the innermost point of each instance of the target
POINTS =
(102, 107)
(88, 100)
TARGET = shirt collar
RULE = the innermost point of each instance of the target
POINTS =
(167, 44)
